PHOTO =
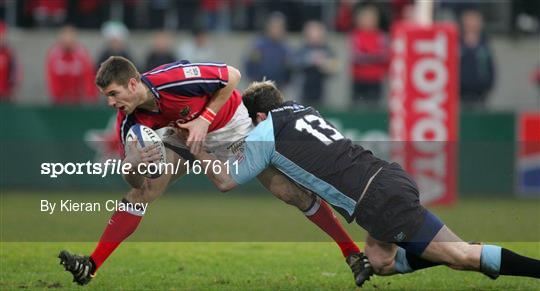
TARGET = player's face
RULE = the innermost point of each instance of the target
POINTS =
(260, 117)
(121, 97)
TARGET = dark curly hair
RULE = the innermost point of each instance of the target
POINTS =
(261, 97)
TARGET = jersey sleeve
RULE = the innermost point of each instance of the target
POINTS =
(123, 123)
(188, 79)
(259, 147)
(119, 133)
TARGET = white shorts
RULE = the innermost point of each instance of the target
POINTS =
(219, 142)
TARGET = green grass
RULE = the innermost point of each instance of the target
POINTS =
(241, 217)
(218, 266)
(208, 241)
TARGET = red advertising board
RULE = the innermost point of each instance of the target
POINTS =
(424, 107)
(528, 154)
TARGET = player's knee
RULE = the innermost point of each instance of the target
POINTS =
(382, 265)
(145, 194)
(295, 197)
(302, 202)
(288, 197)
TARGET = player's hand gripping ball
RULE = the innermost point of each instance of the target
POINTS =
(151, 150)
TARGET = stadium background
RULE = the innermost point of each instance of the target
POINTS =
(248, 223)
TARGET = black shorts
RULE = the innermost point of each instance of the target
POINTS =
(390, 209)
(184, 153)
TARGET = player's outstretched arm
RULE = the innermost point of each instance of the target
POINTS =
(198, 128)
(222, 179)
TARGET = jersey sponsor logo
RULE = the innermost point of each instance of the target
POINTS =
(184, 112)
(400, 237)
(237, 149)
(294, 107)
(424, 107)
(186, 115)
(192, 72)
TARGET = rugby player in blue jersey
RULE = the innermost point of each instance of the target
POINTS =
(379, 195)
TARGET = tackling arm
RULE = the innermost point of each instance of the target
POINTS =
(256, 155)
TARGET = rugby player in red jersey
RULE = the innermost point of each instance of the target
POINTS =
(203, 97)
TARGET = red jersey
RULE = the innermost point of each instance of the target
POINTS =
(70, 75)
(182, 90)
(8, 72)
(370, 54)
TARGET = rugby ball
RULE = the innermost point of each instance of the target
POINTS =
(145, 136)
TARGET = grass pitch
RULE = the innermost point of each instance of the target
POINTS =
(209, 241)
(219, 266)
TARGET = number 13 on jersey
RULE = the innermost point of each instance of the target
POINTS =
(309, 124)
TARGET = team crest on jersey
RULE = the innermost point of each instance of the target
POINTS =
(400, 236)
(192, 72)
(184, 112)
(237, 149)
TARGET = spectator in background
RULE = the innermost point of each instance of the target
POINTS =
(70, 70)
(270, 56)
(88, 14)
(535, 77)
(344, 15)
(9, 69)
(401, 10)
(115, 35)
(161, 52)
(316, 60)
(243, 14)
(48, 13)
(187, 13)
(210, 13)
(370, 57)
(157, 13)
(199, 48)
(477, 69)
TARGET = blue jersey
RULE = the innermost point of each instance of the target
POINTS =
(308, 149)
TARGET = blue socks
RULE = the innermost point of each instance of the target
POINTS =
(494, 261)
(401, 263)
(490, 260)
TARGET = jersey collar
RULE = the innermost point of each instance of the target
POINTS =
(152, 88)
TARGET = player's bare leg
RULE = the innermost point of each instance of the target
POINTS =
(154, 188)
(320, 213)
(446, 248)
(121, 225)
(284, 189)
(313, 207)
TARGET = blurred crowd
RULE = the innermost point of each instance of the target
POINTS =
(70, 67)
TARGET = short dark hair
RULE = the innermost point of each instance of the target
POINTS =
(261, 97)
(117, 70)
